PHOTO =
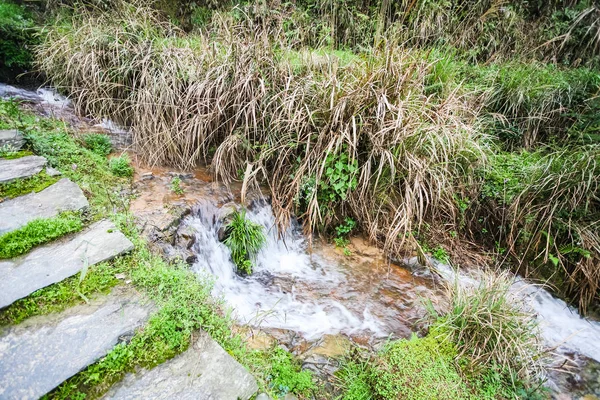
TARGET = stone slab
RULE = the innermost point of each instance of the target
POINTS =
(64, 195)
(56, 261)
(41, 353)
(203, 372)
(12, 138)
(19, 168)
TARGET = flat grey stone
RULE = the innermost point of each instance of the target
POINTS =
(52, 171)
(42, 352)
(11, 138)
(18, 168)
(203, 372)
(64, 195)
(56, 261)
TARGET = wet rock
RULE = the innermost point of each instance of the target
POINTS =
(203, 372)
(56, 261)
(224, 217)
(19, 168)
(181, 175)
(186, 237)
(176, 254)
(146, 176)
(41, 353)
(263, 396)
(64, 195)
(161, 225)
(290, 396)
(12, 139)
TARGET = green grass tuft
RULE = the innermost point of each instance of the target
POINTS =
(37, 232)
(97, 143)
(245, 239)
(121, 166)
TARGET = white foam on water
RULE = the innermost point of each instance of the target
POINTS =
(52, 98)
(288, 287)
(112, 126)
(560, 324)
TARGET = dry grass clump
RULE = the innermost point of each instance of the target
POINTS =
(493, 328)
(366, 138)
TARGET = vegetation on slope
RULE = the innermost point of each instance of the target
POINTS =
(408, 137)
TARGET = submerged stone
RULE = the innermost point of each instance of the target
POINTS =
(58, 260)
(19, 168)
(203, 372)
(64, 195)
(43, 352)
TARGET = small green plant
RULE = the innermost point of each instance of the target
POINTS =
(245, 239)
(37, 232)
(121, 166)
(176, 186)
(340, 177)
(98, 143)
(286, 375)
(7, 151)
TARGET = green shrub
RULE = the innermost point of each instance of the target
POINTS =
(16, 36)
(98, 143)
(176, 186)
(121, 166)
(245, 239)
(37, 232)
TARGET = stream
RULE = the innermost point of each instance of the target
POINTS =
(300, 293)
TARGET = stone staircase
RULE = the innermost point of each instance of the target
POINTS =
(42, 352)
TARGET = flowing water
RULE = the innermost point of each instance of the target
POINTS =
(312, 293)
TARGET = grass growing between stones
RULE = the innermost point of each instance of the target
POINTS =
(21, 187)
(36, 232)
(99, 279)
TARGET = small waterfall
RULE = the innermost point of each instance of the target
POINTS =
(289, 288)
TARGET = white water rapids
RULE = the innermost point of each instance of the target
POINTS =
(281, 291)
(289, 290)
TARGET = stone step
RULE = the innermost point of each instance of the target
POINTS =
(41, 353)
(56, 261)
(64, 195)
(19, 168)
(11, 138)
(204, 372)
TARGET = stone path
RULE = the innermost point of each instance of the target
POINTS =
(203, 372)
(23, 167)
(64, 195)
(40, 354)
(56, 261)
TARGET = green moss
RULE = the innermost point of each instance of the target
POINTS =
(15, 154)
(20, 187)
(37, 232)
